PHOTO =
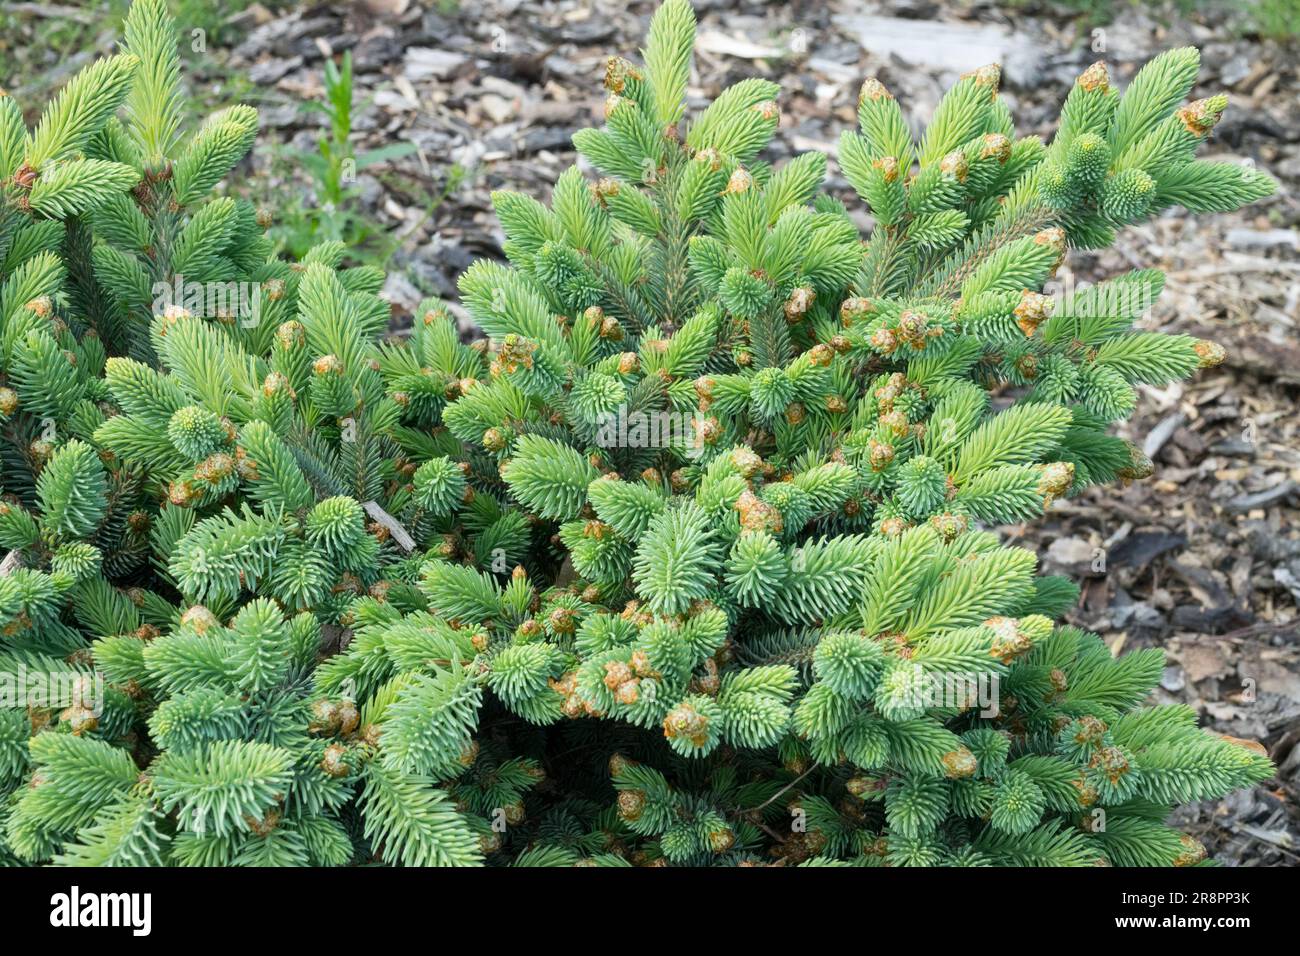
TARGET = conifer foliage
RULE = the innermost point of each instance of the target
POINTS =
(687, 562)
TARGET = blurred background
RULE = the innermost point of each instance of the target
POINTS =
(387, 123)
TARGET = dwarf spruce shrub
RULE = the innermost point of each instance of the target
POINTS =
(688, 561)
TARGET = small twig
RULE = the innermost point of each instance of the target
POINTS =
(777, 795)
(1242, 632)
(1250, 265)
(779, 838)
(400, 534)
(1242, 831)
(50, 11)
(1265, 628)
